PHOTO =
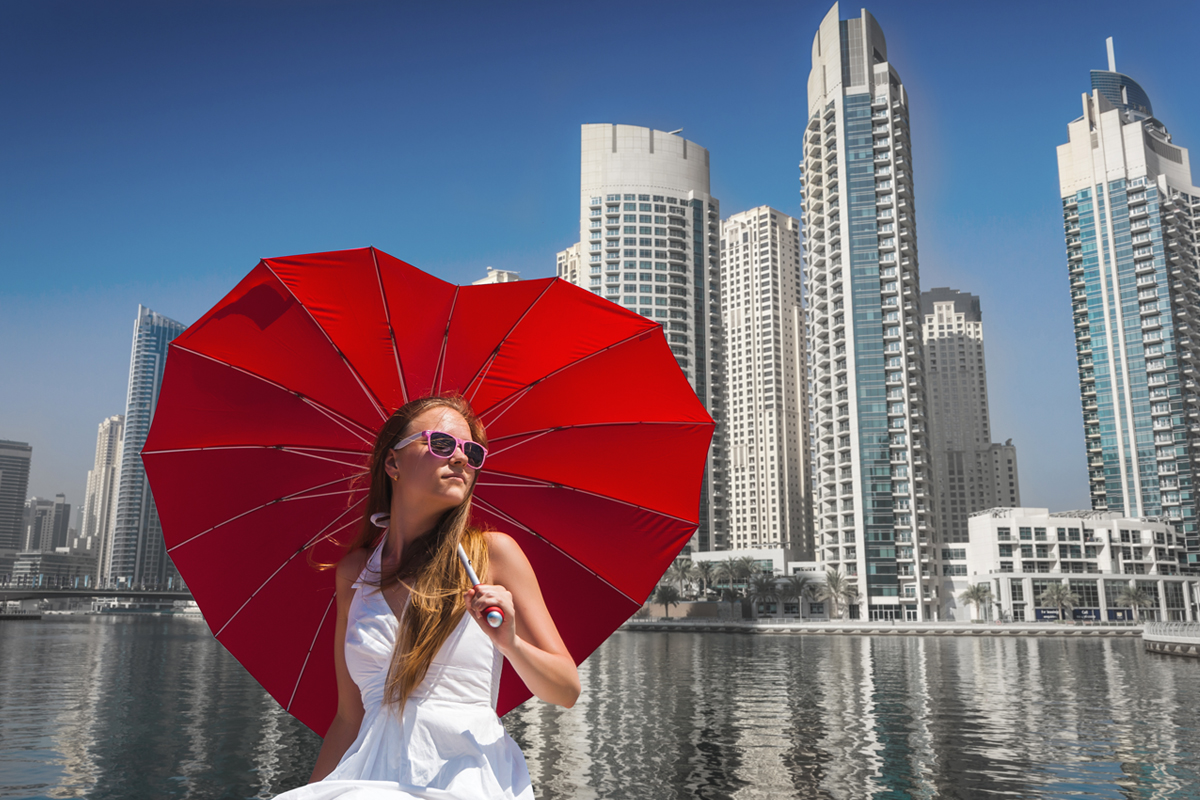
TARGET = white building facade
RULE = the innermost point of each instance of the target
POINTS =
(649, 240)
(99, 503)
(1130, 218)
(874, 501)
(1019, 552)
(769, 482)
(970, 472)
(497, 276)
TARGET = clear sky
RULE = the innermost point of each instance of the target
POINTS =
(152, 152)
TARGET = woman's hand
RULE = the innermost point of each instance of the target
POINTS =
(527, 638)
(485, 596)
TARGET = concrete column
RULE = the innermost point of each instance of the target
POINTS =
(1103, 597)
(1163, 613)
(1188, 598)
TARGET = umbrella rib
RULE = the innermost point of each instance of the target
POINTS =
(387, 315)
(538, 483)
(298, 450)
(487, 365)
(518, 395)
(337, 417)
(311, 542)
(284, 499)
(358, 378)
(308, 655)
(441, 363)
(537, 535)
(542, 431)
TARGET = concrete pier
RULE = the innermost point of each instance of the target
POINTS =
(1172, 638)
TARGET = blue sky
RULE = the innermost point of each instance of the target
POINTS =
(153, 152)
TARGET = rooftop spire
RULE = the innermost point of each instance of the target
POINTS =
(1112, 56)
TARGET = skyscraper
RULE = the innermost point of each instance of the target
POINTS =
(652, 232)
(1129, 216)
(138, 555)
(970, 473)
(769, 483)
(46, 524)
(95, 522)
(15, 458)
(873, 483)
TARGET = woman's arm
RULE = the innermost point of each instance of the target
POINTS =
(344, 728)
(528, 637)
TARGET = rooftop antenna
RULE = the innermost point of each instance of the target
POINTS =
(675, 133)
(1112, 56)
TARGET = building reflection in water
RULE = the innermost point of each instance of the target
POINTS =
(154, 707)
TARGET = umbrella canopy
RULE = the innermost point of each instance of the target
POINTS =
(270, 404)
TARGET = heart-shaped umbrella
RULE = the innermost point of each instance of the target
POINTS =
(270, 404)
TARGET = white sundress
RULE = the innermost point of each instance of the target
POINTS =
(448, 743)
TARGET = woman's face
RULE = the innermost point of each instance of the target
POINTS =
(425, 482)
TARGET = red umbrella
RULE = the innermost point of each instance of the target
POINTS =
(270, 404)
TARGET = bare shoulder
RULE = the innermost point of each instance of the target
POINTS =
(503, 548)
(352, 565)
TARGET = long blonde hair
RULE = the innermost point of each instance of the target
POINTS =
(429, 566)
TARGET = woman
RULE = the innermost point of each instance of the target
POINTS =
(417, 664)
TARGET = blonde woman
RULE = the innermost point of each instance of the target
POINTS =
(417, 663)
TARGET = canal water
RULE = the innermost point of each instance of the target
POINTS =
(153, 707)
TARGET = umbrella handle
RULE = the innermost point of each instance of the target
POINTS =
(495, 617)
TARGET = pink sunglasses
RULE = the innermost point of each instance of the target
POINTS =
(443, 445)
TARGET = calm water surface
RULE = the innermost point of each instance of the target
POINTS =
(148, 707)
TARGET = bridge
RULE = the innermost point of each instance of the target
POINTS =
(17, 593)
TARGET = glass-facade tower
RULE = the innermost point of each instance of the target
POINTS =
(873, 499)
(137, 555)
(1129, 217)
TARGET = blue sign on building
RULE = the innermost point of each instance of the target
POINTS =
(1087, 614)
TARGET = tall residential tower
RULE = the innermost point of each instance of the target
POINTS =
(1130, 216)
(873, 484)
(970, 472)
(137, 555)
(95, 523)
(770, 482)
(15, 458)
(649, 239)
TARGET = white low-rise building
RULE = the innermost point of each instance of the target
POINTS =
(1019, 552)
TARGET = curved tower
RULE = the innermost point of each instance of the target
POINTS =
(1130, 217)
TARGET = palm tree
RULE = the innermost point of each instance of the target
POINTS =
(668, 595)
(1135, 597)
(727, 570)
(838, 589)
(705, 572)
(1060, 596)
(681, 572)
(762, 589)
(978, 595)
(745, 567)
(796, 587)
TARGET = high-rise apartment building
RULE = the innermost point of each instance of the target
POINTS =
(649, 239)
(138, 555)
(96, 518)
(46, 524)
(569, 265)
(873, 483)
(769, 486)
(970, 472)
(15, 458)
(1130, 215)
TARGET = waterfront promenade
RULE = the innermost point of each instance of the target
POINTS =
(773, 626)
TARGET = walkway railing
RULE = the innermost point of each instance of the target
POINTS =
(1175, 632)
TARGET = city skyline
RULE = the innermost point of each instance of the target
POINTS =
(753, 164)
